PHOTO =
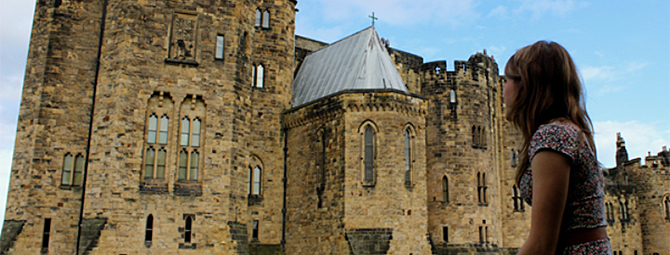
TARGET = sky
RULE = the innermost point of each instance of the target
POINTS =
(622, 50)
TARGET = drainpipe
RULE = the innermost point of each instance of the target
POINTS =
(90, 128)
(284, 179)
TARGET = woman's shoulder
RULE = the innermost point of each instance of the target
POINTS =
(561, 136)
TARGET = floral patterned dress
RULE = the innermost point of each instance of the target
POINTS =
(585, 205)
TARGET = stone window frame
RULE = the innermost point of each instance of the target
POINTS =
(262, 20)
(517, 200)
(156, 106)
(46, 234)
(481, 189)
(220, 47)
(445, 233)
(409, 137)
(368, 182)
(188, 228)
(258, 82)
(445, 189)
(255, 230)
(609, 212)
(148, 230)
(255, 170)
(192, 108)
(624, 214)
(479, 137)
(72, 170)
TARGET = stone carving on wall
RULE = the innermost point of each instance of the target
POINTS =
(183, 38)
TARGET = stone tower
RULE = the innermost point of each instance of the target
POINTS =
(157, 111)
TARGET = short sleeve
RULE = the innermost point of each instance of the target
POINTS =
(557, 136)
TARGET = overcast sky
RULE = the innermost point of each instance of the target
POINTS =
(622, 49)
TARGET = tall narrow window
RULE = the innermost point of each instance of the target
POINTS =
(256, 181)
(185, 131)
(408, 158)
(623, 210)
(219, 47)
(193, 171)
(481, 188)
(195, 138)
(445, 234)
(452, 96)
(445, 189)
(78, 170)
(160, 164)
(149, 163)
(67, 169)
(609, 214)
(258, 76)
(188, 231)
(666, 203)
(250, 181)
(258, 18)
(254, 231)
(152, 129)
(157, 131)
(149, 230)
(163, 134)
(474, 136)
(190, 139)
(369, 150)
(481, 234)
(518, 201)
(183, 163)
(45, 234)
(266, 19)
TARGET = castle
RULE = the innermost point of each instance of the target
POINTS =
(209, 127)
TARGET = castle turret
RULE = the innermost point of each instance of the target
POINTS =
(621, 153)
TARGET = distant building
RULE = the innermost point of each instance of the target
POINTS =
(209, 127)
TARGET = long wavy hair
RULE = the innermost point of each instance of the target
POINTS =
(548, 89)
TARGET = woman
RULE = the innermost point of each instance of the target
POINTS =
(558, 174)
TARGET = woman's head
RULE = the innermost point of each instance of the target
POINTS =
(546, 86)
(543, 85)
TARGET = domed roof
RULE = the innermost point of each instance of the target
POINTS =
(358, 62)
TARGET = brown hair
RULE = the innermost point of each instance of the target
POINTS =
(548, 88)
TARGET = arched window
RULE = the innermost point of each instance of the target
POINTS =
(445, 189)
(157, 131)
(408, 157)
(266, 19)
(149, 230)
(185, 131)
(188, 228)
(152, 129)
(369, 157)
(67, 169)
(255, 180)
(258, 18)
(192, 110)
(609, 213)
(452, 96)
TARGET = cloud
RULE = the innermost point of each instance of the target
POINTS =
(400, 12)
(542, 7)
(641, 138)
(499, 12)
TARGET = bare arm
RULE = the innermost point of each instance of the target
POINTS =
(551, 176)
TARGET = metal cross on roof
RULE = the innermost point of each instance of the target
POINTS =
(373, 18)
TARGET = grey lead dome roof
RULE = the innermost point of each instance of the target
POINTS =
(359, 61)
